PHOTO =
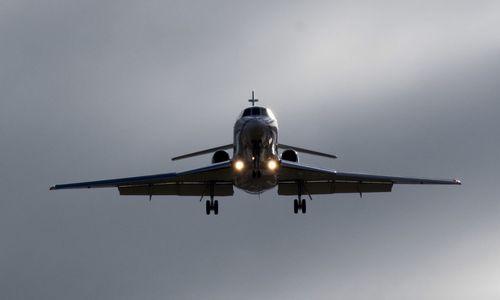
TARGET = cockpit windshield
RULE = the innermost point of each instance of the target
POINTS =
(247, 112)
(257, 111)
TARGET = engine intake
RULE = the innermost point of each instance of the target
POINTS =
(220, 156)
(290, 155)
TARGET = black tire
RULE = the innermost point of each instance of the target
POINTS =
(208, 207)
(216, 207)
(303, 206)
(295, 206)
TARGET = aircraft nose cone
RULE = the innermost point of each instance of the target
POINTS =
(255, 130)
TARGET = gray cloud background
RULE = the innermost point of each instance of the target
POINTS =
(101, 89)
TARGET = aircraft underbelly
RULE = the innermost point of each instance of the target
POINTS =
(246, 182)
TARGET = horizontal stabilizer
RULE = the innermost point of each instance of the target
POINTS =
(303, 150)
(207, 151)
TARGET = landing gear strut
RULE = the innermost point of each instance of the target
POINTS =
(256, 174)
(256, 159)
(300, 204)
(211, 205)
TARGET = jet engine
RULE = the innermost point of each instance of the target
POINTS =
(220, 156)
(290, 155)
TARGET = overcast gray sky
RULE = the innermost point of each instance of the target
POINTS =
(102, 89)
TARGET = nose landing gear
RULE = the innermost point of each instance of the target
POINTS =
(256, 174)
(256, 149)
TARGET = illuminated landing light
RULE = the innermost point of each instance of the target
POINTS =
(272, 165)
(239, 165)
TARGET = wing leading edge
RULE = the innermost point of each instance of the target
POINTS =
(321, 181)
(195, 182)
(304, 150)
(206, 151)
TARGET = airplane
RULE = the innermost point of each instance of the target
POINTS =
(257, 165)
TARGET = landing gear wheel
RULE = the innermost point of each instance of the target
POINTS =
(216, 207)
(295, 206)
(208, 207)
(303, 206)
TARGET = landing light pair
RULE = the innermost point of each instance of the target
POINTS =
(271, 165)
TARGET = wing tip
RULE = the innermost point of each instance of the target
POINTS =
(457, 181)
(52, 188)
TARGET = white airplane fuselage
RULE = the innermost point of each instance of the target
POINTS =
(255, 150)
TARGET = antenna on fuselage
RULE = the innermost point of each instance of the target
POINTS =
(253, 100)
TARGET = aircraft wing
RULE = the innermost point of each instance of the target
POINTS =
(321, 181)
(304, 150)
(195, 182)
(206, 151)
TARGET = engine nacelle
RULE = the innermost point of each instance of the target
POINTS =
(220, 156)
(290, 155)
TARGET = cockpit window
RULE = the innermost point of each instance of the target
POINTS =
(270, 114)
(247, 112)
(257, 111)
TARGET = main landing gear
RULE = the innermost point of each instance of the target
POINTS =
(212, 205)
(300, 204)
